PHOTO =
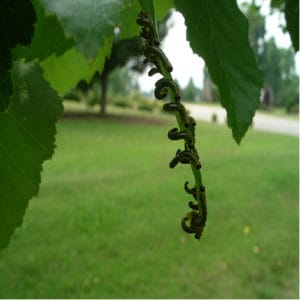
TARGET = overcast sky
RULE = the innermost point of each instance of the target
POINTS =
(176, 48)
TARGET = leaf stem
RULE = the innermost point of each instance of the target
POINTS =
(180, 122)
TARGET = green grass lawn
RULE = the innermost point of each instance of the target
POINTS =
(106, 223)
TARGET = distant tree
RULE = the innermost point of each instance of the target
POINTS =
(123, 51)
(210, 90)
(278, 66)
(256, 33)
(271, 68)
(290, 8)
(257, 28)
(191, 92)
(121, 81)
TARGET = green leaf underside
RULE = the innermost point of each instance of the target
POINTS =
(127, 23)
(16, 20)
(49, 38)
(30, 120)
(89, 22)
(292, 21)
(162, 7)
(218, 32)
(64, 72)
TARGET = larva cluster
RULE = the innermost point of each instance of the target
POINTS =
(195, 220)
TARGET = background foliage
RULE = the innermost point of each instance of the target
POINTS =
(73, 39)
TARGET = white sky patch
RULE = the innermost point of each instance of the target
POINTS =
(187, 65)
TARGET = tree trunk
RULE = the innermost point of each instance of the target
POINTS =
(103, 97)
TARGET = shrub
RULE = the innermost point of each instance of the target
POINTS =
(214, 118)
(121, 101)
(91, 98)
(146, 106)
(72, 95)
(292, 106)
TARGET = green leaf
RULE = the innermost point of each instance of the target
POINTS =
(89, 22)
(27, 131)
(66, 71)
(6, 88)
(16, 20)
(277, 3)
(127, 23)
(218, 32)
(49, 38)
(162, 8)
(292, 21)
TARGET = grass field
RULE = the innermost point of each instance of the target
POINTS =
(107, 221)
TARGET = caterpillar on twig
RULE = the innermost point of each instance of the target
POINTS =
(195, 220)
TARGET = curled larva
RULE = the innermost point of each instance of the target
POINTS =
(145, 33)
(184, 157)
(194, 221)
(173, 163)
(149, 60)
(161, 90)
(144, 21)
(159, 54)
(203, 203)
(171, 107)
(148, 29)
(185, 227)
(153, 71)
(174, 134)
(192, 205)
(187, 156)
(177, 106)
(180, 157)
(148, 35)
(162, 87)
(195, 225)
(171, 85)
(189, 190)
(192, 122)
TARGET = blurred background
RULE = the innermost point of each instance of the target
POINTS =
(125, 74)
(106, 223)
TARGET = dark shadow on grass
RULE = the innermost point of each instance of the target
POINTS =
(114, 117)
